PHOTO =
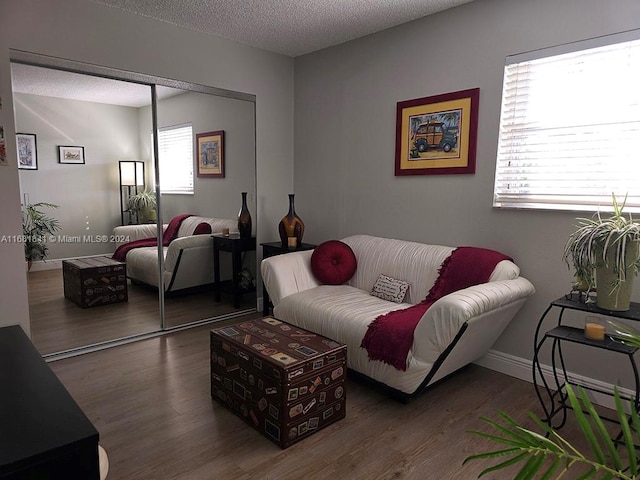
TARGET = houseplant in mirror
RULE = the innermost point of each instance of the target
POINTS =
(142, 206)
(605, 254)
(36, 227)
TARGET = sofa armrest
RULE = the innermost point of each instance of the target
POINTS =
(487, 303)
(287, 274)
(184, 243)
(128, 233)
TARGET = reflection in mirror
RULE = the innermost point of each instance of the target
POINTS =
(204, 196)
(110, 122)
(89, 301)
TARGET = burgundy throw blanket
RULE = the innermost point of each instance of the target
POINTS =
(169, 234)
(390, 336)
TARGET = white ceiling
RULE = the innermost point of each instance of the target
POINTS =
(290, 27)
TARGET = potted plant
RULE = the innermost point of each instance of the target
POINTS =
(36, 226)
(608, 247)
(143, 205)
(552, 456)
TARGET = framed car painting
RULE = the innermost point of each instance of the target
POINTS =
(437, 135)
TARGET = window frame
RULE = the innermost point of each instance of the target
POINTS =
(555, 201)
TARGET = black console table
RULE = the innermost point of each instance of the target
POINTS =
(43, 432)
(271, 249)
(556, 401)
(236, 245)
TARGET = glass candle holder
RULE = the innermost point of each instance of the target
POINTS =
(594, 327)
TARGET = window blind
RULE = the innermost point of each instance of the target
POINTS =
(570, 130)
(175, 157)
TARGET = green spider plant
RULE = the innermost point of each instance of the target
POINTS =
(551, 456)
(602, 241)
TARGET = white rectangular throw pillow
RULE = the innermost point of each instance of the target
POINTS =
(389, 288)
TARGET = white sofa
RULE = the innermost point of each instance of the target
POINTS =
(456, 330)
(188, 259)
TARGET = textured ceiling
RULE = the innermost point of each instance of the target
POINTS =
(57, 83)
(290, 27)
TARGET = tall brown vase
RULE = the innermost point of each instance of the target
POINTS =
(244, 219)
(291, 225)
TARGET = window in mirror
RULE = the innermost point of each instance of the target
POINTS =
(175, 157)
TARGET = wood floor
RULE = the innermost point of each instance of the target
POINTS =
(58, 324)
(151, 403)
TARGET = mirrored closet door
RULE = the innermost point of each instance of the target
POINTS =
(219, 133)
(96, 172)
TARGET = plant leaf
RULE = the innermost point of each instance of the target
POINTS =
(494, 454)
(585, 426)
(504, 464)
(602, 430)
(552, 469)
(529, 469)
(626, 431)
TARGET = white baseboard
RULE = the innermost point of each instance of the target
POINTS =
(48, 265)
(57, 263)
(522, 369)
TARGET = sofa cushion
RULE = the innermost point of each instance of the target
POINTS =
(333, 262)
(202, 229)
(189, 225)
(389, 288)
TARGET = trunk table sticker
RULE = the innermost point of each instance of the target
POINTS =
(271, 321)
(306, 351)
(284, 358)
(230, 331)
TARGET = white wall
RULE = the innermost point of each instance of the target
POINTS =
(109, 37)
(87, 194)
(345, 106)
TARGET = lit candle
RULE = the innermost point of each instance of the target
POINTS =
(292, 242)
(594, 331)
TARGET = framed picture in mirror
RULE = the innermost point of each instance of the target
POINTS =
(27, 151)
(68, 154)
(210, 154)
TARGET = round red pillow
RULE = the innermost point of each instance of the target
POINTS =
(202, 229)
(333, 262)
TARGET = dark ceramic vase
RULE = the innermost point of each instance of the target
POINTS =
(291, 225)
(244, 219)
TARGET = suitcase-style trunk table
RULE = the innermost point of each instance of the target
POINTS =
(284, 381)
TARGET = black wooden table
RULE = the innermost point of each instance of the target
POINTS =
(236, 245)
(43, 432)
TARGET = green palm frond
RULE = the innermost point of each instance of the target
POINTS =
(36, 226)
(549, 456)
